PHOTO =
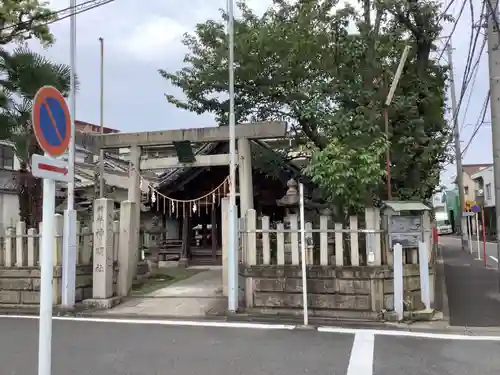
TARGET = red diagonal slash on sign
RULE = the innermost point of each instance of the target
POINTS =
(53, 168)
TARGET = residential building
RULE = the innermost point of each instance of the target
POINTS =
(9, 164)
(484, 186)
(484, 192)
(469, 184)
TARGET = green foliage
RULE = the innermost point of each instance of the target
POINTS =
(324, 68)
(347, 174)
(21, 20)
(24, 73)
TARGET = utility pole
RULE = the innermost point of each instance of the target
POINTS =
(458, 151)
(494, 70)
(233, 244)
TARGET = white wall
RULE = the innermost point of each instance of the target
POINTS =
(437, 200)
(9, 212)
(488, 186)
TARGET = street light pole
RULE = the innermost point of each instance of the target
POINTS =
(494, 70)
(233, 246)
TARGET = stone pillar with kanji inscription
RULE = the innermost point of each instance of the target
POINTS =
(103, 249)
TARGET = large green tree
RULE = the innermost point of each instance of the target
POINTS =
(325, 70)
(21, 20)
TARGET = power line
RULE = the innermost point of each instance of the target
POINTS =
(472, 49)
(467, 79)
(446, 10)
(480, 122)
(55, 13)
(455, 24)
(470, 71)
(67, 12)
(469, 99)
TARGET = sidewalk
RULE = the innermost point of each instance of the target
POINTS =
(198, 296)
(473, 297)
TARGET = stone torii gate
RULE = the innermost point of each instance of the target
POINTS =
(183, 137)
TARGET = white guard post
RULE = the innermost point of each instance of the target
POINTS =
(398, 280)
(477, 237)
(69, 260)
(303, 254)
(423, 257)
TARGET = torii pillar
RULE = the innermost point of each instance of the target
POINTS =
(245, 176)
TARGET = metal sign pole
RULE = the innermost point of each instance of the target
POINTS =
(46, 101)
(303, 254)
(484, 236)
(45, 324)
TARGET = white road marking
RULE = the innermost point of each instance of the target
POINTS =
(400, 333)
(361, 360)
(188, 323)
(493, 258)
(219, 324)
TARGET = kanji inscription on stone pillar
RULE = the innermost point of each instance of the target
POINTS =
(103, 249)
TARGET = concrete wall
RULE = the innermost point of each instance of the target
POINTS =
(21, 286)
(346, 293)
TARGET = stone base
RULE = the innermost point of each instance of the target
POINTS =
(168, 264)
(361, 293)
(104, 303)
(183, 262)
(425, 315)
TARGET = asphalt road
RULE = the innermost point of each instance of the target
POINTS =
(89, 348)
(491, 248)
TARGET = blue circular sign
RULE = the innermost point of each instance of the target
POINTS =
(51, 121)
(475, 209)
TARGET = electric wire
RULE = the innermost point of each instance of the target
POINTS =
(480, 122)
(471, 92)
(455, 24)
(67, 12)
(467, 78)
(446, 10)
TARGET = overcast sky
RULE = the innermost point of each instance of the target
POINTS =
(140, 39)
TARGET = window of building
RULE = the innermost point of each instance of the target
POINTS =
(488, 191)
(466, 190)
(6, 157)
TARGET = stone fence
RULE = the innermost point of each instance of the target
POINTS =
(349, 269)
(99, 252)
